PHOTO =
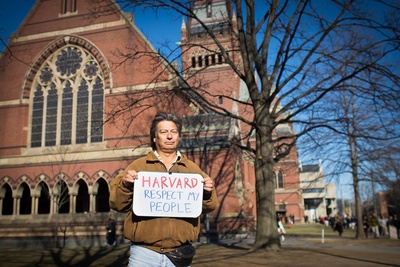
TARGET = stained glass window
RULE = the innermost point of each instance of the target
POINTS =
(82, 113)
(66, 115)
(97, 111)
(37, 117)
(67, 106)
(280, 180)
(51, 116)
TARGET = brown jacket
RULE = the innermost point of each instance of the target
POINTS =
(161, 234)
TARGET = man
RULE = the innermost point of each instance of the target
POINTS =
(374, 225)
(155, 238)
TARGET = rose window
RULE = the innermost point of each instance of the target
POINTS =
(46, 75)
(91, 69)
(69, 61)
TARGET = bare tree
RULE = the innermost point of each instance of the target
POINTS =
(301, 52)
(61, 163)
(361, 133)
(356, 132)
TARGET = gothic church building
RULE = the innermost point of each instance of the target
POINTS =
(69, 80)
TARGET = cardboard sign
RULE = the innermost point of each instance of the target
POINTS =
(162, 194)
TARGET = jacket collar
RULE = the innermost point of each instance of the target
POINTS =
(154, 156)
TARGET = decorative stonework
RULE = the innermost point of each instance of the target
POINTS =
(81, 175)
(56, 45)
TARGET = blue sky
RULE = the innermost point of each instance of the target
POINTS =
(12, 13)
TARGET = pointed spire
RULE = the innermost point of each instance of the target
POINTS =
(183, 31)
(183, 26)
(233, 17)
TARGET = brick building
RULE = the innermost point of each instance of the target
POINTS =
(68, 79)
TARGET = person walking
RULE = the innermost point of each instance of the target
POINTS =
(281, 229)
(395, 223)
(338, 225)
(160, 241)
(383, 226)
(374, 225)
(365, 226)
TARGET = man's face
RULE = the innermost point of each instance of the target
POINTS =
(167, 137)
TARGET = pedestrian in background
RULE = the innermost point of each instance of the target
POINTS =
(374, 225)
(281, 229)
(338, 225)
(395, 223)
(365, 226)
(383, 226)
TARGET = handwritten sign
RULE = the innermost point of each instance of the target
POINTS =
(162, 194)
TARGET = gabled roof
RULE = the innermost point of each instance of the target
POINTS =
(203, 130)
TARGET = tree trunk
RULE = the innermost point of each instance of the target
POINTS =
(267, 232)
(354, 166)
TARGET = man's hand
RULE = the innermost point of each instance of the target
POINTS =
(208, 184)
(129, 178)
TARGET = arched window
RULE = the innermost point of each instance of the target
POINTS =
(68, 99)
(280, 180)
(25, 204)
(213, 59)
(44, 199)
(62, 197)
(82, 199)
(193, 62)
(7, 200)
(220, 59)
(102, 196)
(207, 60)
(200, 61)
(274, 177)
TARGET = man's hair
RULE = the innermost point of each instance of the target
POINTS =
(163, 116)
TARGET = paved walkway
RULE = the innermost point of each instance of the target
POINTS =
(297, 251)
(308, 252)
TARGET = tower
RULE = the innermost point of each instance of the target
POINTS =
(211, 63)
(210, 55)
(206, 53)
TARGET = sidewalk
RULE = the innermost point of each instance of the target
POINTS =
(296, 251)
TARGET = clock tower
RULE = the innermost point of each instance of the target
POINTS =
(208, 45)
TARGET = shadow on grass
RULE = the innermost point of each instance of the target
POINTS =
(92, 256)
(76, 256)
